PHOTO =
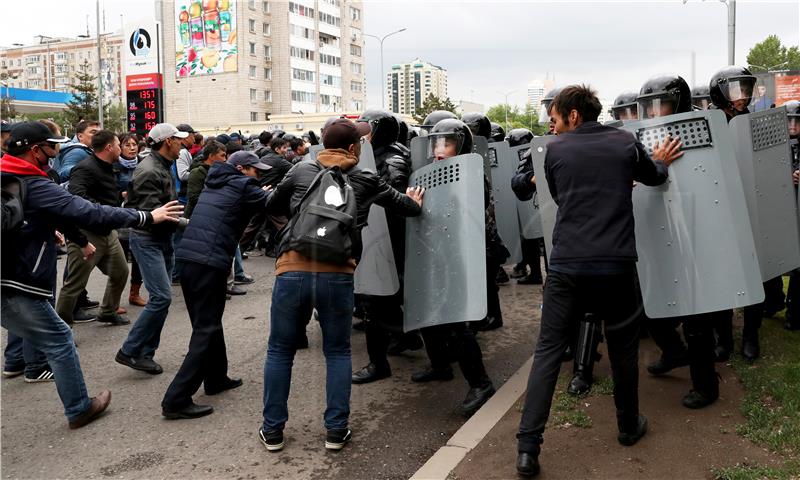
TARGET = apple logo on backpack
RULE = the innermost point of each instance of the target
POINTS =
(321, 231)
(333, 196)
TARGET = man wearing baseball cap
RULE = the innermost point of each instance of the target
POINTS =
(29, 259)
(152, 185)
(232, 195)
(304, 283)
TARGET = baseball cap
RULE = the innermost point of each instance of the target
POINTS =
(163, 131)
(235, 136)
(5, 126)
(185, 127)
(341, 133)
(25, 134)
(223, 138)
(247, 159)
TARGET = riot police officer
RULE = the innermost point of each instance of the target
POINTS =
(384, 314)
(793, 295)
(544, 110)
(498, 133)
(625, 107)
(660, 96)
(433, 118)
(524, 187)
(700, 97)
(449, 138)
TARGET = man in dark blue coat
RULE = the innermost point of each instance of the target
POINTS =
(232, 195)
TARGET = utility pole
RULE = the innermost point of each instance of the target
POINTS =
(99, 72)
(383, 82)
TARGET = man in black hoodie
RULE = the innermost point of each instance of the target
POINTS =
(592, 264)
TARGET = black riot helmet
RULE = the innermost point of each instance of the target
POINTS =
(412, 134)
(519, 136)
(435, 117)
(451, 130)
(478, 123)
(278, 133)
(700, 97)
(793, 115)
(732, 88)
(664, 95)
(544, 110)
(625, 106)
(498, 133)
(288, 137)
(402, 132)
(383, 125)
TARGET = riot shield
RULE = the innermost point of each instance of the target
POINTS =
(763, 153)
(547, 207)
(530, 223)
(445, 271)
(693, 236)
(480, 145)
(376, 273)
(503, 162)
(419, 153)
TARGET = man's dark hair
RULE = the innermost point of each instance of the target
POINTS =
(101, 139)
(212, 147)
(296, 143)
(232, 148)
(277, 143)
(84, 124)
(264, 138)
(578, 97)
(198, 138)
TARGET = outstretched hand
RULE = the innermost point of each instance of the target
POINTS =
(669, 152)
(169, 212)
(416, 194)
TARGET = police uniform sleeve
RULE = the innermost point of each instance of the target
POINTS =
(521, 181)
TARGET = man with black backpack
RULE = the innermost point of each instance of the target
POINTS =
(327, 202)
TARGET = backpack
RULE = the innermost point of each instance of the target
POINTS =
(324, 226)
(13, 200)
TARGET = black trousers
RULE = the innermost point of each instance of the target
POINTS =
(384, 319)
(531, 254)
(614, 298)
(793, 298)
(753, 314)
(492, 290)
(207, 361)
(664, 332)
(699, 333)
(461, 340)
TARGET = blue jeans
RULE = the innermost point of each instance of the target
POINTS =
(294, 296)
(35, 320)
(238, 264)
(155, 257)
(20, 354)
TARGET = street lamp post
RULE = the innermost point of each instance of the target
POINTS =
(731, 4)
(505, 107)
(99, 72)
(48, 84)
(383, 84)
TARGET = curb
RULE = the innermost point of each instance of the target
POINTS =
(447, 458)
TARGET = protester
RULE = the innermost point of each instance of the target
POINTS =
(123, 169)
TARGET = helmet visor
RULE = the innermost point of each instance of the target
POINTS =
(656, 106)
(701, 102)
(740, 88)
(444, 146)
(629, 111)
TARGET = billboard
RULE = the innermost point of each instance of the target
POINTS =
(140, 44)
(787, 88)
(205, 37)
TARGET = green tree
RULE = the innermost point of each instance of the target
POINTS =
(7, 110)
(83, 106)
(771, 53)
(59, 118)
(517, 118)
(433, 103)
(115, 118)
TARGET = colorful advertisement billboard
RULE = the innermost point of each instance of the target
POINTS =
(205, 37)
(787, 88)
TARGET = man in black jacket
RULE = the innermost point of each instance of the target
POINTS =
(93, 179)
(592, 264)
(152, 185)
(232, 195)
(303, 283)
(29, 262)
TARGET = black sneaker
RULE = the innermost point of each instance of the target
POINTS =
(243, 280)
(337, 438)
(86, 303)
(272, 439)
(81, 316)
(11, 371)
(43, 375)
(144, 364)
(630, 438)
(113, 319)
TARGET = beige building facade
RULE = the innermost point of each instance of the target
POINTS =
(408, 84)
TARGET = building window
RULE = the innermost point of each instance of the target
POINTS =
(330, 80)
(330, 100)
(355, 50)
(302, 32)
(355, 14)
(267, 74)
(252, 71)
(355, 33)
(330, 60)
(267, 52)
(355, 86)
(252, 95)
(267, 95)
(355, 67)
(265, 29)
(328, 40)
(329, 19)
(332, 2)
(301, 10)
(303, 75)
(252, 48)
(253, 116)
(252, 25)
(265, 7)
(303, 53)
(266, 114)
(303, 97)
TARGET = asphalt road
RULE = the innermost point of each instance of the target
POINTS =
(397, 425)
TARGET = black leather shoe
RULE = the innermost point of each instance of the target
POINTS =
(502, 277)
(579, 385)
(81, 316)
(371, 373)
(696, 400)
(666, 364)
(530, 280)
(489, 323)
(192, 410)
(630, 438)
(750, 348)
(474, 400)
(143, 364)
(86, 303)
(527, 464)
(234, 290)
(113, 319)
(243, 280)
(430, 375)
(229, 384)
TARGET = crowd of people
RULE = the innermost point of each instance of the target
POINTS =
(179, 208)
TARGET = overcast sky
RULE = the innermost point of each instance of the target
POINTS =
(489, 47)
